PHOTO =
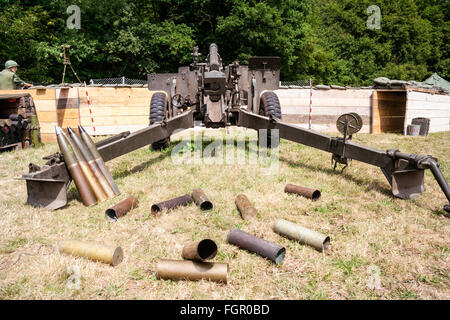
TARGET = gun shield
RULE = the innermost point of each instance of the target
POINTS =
(91, 163)
(192, 270)
(93, 251)
(245, 207)
(201, 199)
(93, 182)
(121, 208)
(86, 193)
(249, 242)
(305, 192)
(171, 204)
(304, 235)
(98, 158)
(200, 250)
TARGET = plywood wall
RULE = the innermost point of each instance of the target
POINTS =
(436, 107)
(327, 106)
(389, 109)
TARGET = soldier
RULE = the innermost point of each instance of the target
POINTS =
(9, 80)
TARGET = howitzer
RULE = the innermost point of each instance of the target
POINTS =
(235, 95)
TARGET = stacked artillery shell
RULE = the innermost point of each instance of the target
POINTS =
(245, 207)
(264, 248)
(201, 199)
(293, 231)
(91, 163)
(93, 251)
(302, 191)
(93, 182)
(121, 209)
(98, 158)
(192, 270)
(171, 204)
(200, 250)
(83, 187)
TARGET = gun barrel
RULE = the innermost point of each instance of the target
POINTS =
(214, 58)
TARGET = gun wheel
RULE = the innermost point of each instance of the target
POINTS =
(270, 106)
(158, 113)
(351, 121)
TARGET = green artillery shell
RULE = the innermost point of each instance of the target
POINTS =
(93, 182)
(192, 270)
(305, 192)
(293, 231)
(87, 196)
(245, 207)
(200, 250)
(98, 159)
(91, 163)
(201, 199)
(93, 251)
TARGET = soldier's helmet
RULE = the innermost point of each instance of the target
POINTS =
(11, 64)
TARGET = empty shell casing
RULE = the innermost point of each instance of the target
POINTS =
(93, 251)
(200, 250)
(304, 235)
(201, 199)
(171, 204)
(305, 192)
(192, 270)
(245, 207)
(249, 242)
(121, 209)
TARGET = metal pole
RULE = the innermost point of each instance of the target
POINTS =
(123, 80)
(310, 104)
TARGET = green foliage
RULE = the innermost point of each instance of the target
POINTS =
(327, 40)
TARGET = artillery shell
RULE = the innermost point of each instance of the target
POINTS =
(93, 251)
(305, 192)
(201, 199)
(91, 163)
(83, 187)
(245, 207)
(93, 182)
(98, 159)
(121, 208)
(192, 270)
(293, 231)
(171, 204)
(249, 242)
(200, 250)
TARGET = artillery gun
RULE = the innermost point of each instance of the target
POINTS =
(235, 95)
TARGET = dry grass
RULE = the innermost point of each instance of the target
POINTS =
(406, 240)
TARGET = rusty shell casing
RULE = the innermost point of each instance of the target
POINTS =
(249, 242)
(245, 207)
(201, 199)
(93, 251)
(205, 249)
(304, 235)
(171, 204)
(121, 209)
(87, 195)
(192, 270)
(93, 182)
(91, 163)
(305, 192)
(98, 158)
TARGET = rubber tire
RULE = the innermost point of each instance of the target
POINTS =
(270, 106)
(158, 114)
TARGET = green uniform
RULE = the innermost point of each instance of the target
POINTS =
(9, 80)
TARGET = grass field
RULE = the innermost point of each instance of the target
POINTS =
(406, 241)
